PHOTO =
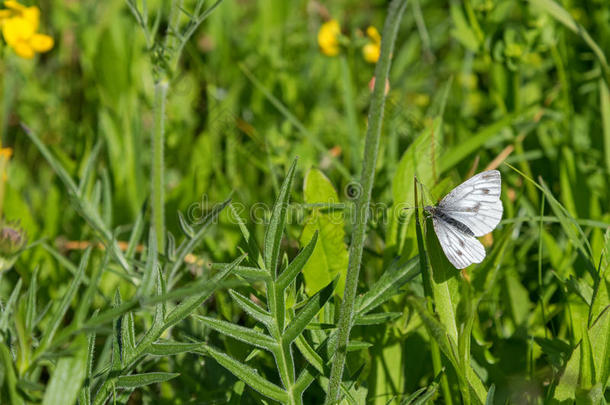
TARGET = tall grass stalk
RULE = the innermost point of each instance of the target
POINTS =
(371, 149)
(158, 164)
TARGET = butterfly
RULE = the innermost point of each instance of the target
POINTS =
(471, 209)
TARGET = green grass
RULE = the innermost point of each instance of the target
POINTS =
(193, 177)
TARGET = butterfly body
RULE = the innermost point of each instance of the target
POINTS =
(440, 215)
(470, 210)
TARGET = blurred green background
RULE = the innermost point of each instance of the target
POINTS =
(469, 80)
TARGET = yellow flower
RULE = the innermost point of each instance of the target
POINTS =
(6, 153)
(371, 51)
(5, 156)
(19, 29)
(328, 37)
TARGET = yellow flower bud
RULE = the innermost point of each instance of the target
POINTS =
(372, 49)
(328, 37)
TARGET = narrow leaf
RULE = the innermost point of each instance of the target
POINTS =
(188, 305)
(172, 348)
(64, 304)
(68, 376)
(275, 229)
(393, 278)
(298, 324)
(376, 319)
(141, 380)
(297, 264)
(190, 244)
(251, 308)
(246, 335)
(248, 375)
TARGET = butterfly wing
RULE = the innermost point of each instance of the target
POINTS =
(462, 250)
(476, 202)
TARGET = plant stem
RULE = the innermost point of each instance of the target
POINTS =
(371, 149)
(350, 113)
(283, 352)
(8, 91)
(158, 141)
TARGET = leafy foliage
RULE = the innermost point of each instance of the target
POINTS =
(142, 282)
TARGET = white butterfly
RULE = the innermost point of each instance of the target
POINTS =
(471, 209)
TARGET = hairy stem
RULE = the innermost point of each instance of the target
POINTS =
(283, 353)
(158, 164)
(371, 149)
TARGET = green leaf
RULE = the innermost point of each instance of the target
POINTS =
(249, 273)
(10, 306)
(443, 283)
(587, 366)
(141, 380)
(86, 300)
(310, 354)
(129, 333)
(604, 96)
(475, 141)
(424, 398)
(275, 228)
(599, 337)
(57, 167)
(436, 330)
(64, 304)
(68, 376)
(187, 306)
(254, 253)
(297, 264)
(461, 30)
(575, 370)
(251, 308)
(9, 378)
(85, 392)
(246, 335)
(186, 228)
(150, 270)
(356, 345)
(565, 18)
(490, 395)
(248, 375)
(420, 159)
(84, 208)
(569, 225)
(31, 303)
(188, 246)
(330, 255)
(295, 121)
(172, 348)
(600, 297)
(298, 324)
(135, 235)
(89, 167)
(392, 279)
(118, 344)
(377, 319)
